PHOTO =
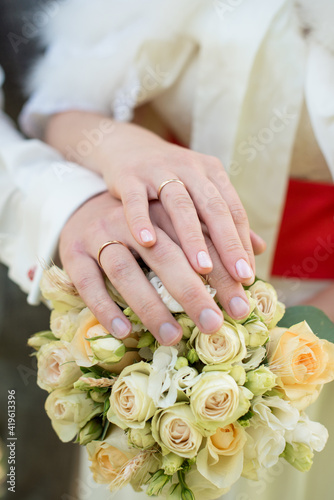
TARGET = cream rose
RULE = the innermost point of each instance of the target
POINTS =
(130, 404)
(216, 401)
(268, 308)
(174, 429)
(225, 346)
(64, 324)
(258, 332)
(69, 410)
(109, 456)
(56, 366)
(302, 362)
(221, 460)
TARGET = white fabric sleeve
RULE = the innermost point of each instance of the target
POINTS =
(39, 192)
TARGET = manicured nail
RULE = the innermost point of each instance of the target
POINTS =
(169, 334)
(210, 320)
(243, 269)
(146, 236)
(204, 260)
(239, 308)
(119, 328)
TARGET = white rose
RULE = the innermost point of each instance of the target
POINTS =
(56, 366)
(185, 378)
(174, 429)
(69, 410)
(107, 350)
(130, 404)
(64, 324)
(221, 460)
(275, 412)
(225, 346)
(166, 297)
(254, 358)
(216, 401)
(313, 434)
(268, 308)
(258, 332)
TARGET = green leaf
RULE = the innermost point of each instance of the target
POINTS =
(320, 324)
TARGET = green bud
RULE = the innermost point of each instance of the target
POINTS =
(260, 380)
(107, 350)
(181, 362)
(187, 494)
(99, 397)
(299, 455)
(192, 356)
(239, 374)
(171, 463)
(81, 384)
(146, 339)
(41, 338)
(141, 438)
(157, 483)
(186, 324)
(258, 332)
(90, 432)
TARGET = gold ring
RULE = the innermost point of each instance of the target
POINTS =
(114, 242)
(163, 184)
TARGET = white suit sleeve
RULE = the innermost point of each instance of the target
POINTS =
(39, 192)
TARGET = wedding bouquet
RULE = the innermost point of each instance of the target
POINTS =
(185, 421)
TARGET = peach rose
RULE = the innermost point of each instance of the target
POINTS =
(302, 362)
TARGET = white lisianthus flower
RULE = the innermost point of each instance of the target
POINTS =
(262, 449)
(160, 387)
(276, 413)
(185, 378)
(216, 401)
(166, 297)
(64, 324)
(254, 358)
(56, 366)
(130, 404)
(313, 434)
(175, 430)
(268, 308)
(221, 460)
(69, 410)
(225, 346)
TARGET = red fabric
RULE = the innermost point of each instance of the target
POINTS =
(305, 245)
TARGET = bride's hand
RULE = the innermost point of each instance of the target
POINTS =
(102, 219)
(135, 163)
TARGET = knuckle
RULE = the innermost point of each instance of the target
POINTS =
(147, 310)
(85, 283)
(183, 202)
(239, 214)
(100, 306)
(190, 294)
(164, 253)
(194, 238)
(118, 269)
(216, 206)
(139, 220)
(132, 198)
(232, 246)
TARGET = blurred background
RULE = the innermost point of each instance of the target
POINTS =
(44, 465)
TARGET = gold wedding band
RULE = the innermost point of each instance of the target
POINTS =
(163, 184)
(114, 242)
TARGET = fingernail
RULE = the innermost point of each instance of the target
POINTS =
(146, 236)
(204, 260)
(169, 334)
(239, 307)
(243, 269)
(120, 328)
(210, 320)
